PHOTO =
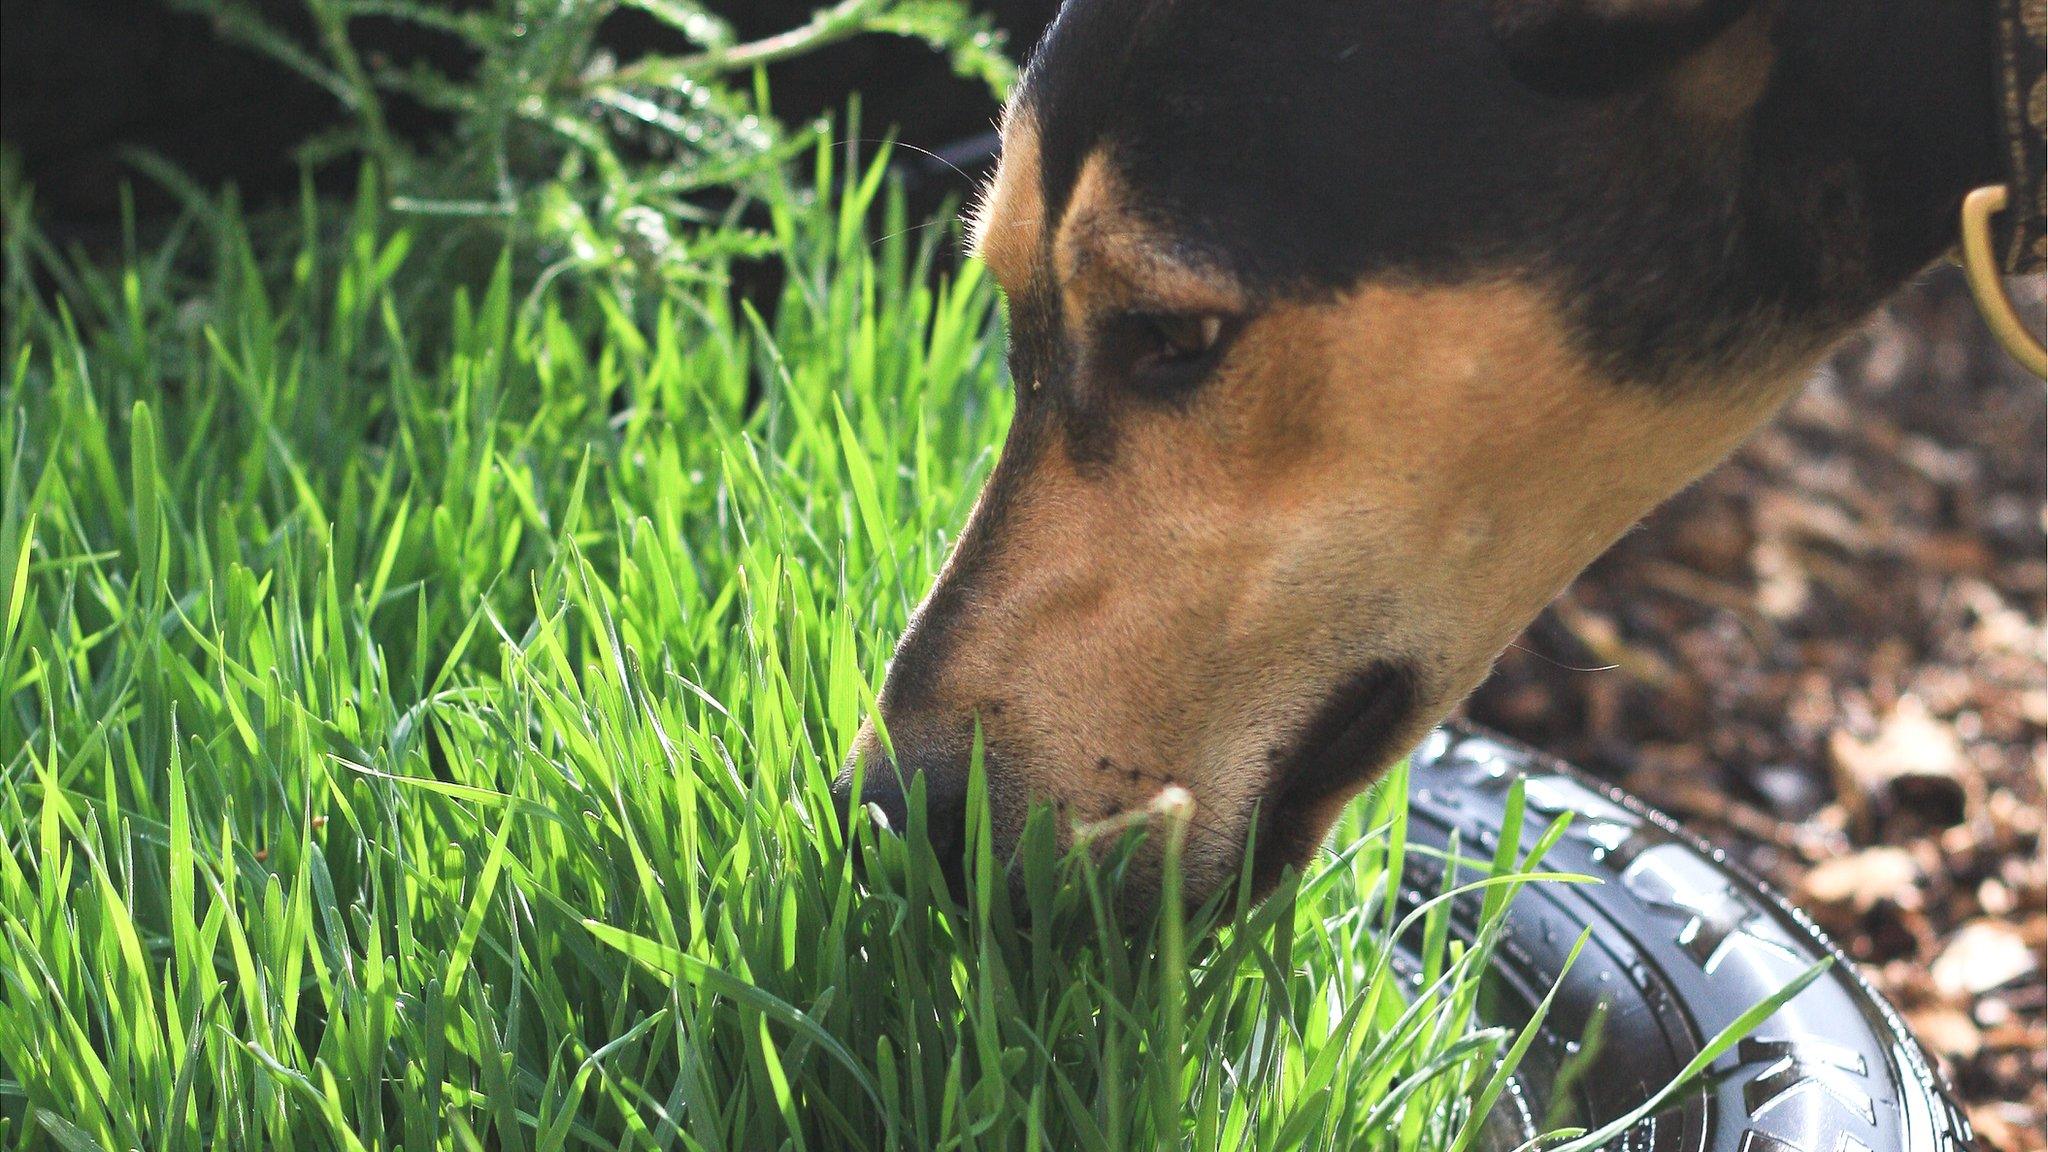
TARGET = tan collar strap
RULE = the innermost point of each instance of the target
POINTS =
(2020, 233)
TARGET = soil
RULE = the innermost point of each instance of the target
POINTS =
(1827, 656)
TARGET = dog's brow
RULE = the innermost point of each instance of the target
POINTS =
(1138, 259)
(1130, 249)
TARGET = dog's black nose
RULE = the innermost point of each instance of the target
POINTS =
(885, 792)
(886, 801)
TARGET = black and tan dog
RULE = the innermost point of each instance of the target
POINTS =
(1346, 332)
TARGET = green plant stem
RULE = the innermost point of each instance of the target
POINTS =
(829, 26)
(361, 92)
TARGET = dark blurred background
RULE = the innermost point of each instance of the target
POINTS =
(83, 80)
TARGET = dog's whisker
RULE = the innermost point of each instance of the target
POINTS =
(908, 147)
(905, 232)
(1561, 664)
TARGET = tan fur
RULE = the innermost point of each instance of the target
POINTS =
(1105, 262)
(1403, 472)
(1009, 222)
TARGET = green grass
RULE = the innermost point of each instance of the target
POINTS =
(418, 708)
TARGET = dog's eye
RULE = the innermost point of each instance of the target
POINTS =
(1184, 337)
(1170, 352)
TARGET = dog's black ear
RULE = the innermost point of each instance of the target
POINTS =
(1594, 47)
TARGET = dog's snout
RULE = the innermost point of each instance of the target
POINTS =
(884, 800)
(886, 786)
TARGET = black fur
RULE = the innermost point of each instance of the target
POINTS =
(1598, 47)
(1306, 144)
(1351, 735)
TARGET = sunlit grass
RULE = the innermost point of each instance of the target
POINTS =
(418, 707)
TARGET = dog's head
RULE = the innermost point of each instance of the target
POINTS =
(1344, 333)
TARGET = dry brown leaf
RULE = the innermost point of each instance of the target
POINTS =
(1910, 742)
(1980, 957)
(1948, 1032)
(1862, 879)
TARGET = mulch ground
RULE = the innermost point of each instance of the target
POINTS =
(1828, 656)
